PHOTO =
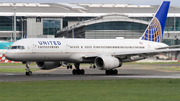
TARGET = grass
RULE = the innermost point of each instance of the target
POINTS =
(14, 64)
(15, 70)
(172, 68)
(151, 63)
(92, 90)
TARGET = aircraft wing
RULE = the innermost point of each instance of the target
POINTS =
(148, 52)
(92, 55)
(141, 53)
(173, 46)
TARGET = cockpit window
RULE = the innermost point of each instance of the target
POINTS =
(17, 47)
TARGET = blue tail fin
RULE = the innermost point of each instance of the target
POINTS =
(154, 32)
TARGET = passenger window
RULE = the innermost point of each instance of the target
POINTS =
(14, 47)
(23, 47)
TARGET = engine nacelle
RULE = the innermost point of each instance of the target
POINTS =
(107, 62)
(48, 65)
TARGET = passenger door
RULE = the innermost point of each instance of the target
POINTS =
(33, 47)
(66, 47)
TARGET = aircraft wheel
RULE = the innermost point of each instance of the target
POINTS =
(94, 66)
(70, 66)
(107, 72)
(74, 71)
(30, 73)
(78, 72)
(115, 72)
(82, 71)
(27, 73)
(67, 67)
(111, 72)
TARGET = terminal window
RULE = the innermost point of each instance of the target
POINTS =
(7, 23)
(50, 27)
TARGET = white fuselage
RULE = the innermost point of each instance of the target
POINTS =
(72, 50)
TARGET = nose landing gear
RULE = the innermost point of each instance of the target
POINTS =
(28, 71)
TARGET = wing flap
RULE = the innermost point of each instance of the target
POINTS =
(147, 53)
(174, 46)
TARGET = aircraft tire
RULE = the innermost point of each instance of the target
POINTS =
(111, 72)
(74, 71)
(70, 66)
(115, 72)
(94, 66)
(27, 73)
(82, 71)
(78, 72)
(107, 72)
(67, 67)
(30, 73)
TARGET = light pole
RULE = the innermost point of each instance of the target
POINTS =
(14, 23)
(175, 24)
(22, 27)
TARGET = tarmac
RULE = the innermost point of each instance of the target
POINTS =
(127, 71)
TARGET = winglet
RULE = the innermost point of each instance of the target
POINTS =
(154, 32)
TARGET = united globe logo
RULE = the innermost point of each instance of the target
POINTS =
(153, 32)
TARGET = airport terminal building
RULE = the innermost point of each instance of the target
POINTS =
(48, 20)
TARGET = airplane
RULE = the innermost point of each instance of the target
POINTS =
(106, 54)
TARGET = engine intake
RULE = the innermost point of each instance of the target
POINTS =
(48, 65)
(107, 62)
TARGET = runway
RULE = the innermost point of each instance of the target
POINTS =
(91, 74)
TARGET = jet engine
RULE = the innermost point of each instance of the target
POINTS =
(48, 65)
(107, 62)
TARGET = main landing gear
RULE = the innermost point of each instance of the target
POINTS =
(111, 72)
(78, 71)
(92, 66)
(69, 67)
(28, 72)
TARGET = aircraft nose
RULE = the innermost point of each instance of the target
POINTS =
(9, 56)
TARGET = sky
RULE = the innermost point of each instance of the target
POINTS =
(135, 2)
